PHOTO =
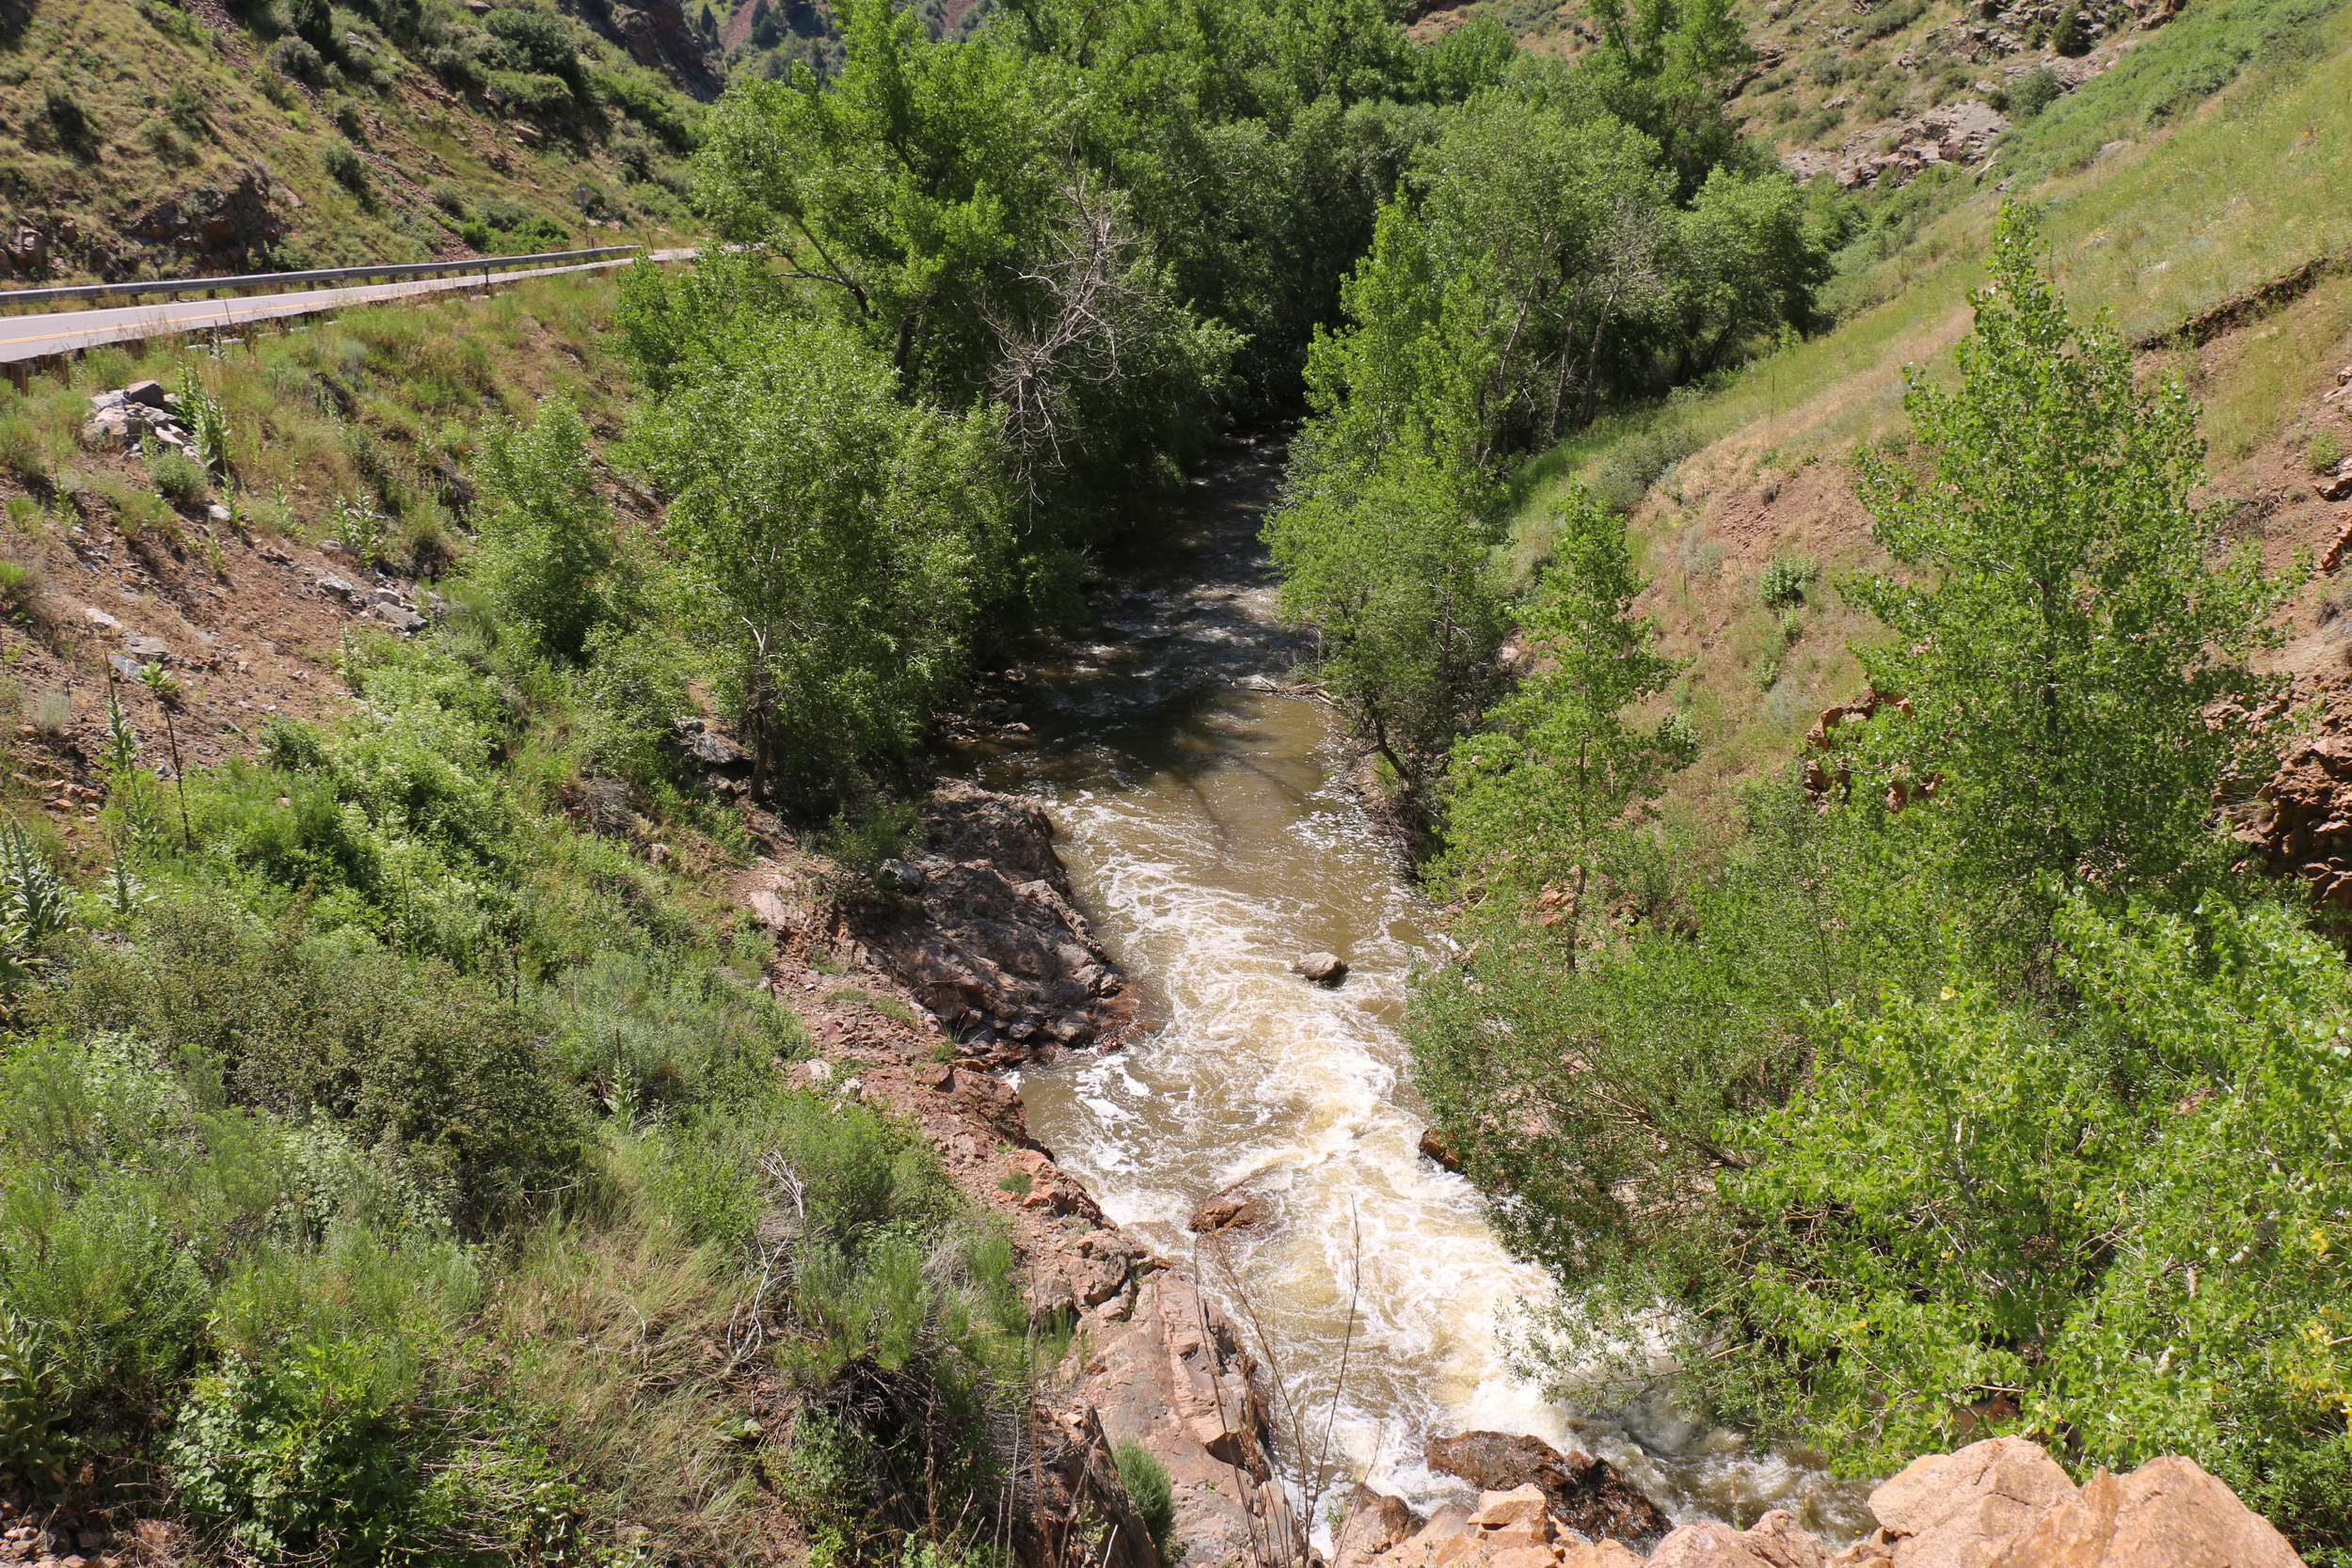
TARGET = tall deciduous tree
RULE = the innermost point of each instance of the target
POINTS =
(837, 542)
(1560, 759)
(2072, 618)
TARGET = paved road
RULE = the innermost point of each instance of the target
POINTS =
(24, 338)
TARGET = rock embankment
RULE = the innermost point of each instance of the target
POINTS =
(913, 1003)
(2003, 1503)
(984, 935)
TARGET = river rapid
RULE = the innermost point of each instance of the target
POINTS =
(1211, 843)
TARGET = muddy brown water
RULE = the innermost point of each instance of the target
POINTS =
(1211, 843)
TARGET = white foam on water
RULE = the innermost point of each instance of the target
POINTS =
(1206, 886)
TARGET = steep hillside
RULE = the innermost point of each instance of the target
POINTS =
(2208, 216)
(150, 138)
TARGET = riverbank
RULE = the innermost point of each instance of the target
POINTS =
(986, 933)
(986, 924)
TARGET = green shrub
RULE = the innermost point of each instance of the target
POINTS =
(340, 1453)
(21, 583)
(1890, 18)
(2034, 93)
(862, 836)
(1147, 1483)
(657, 1038)
(1627, 469)
(1827, 70)
(177, 477)
(549, 560)
(21, 449)
(2324, 453)
(860, 1176)
(296, 58)
(398, 1052)
(67, 117)
(342, 164)
(2070, 37)
(449, 198)
(1783, 582)
(35, 1451)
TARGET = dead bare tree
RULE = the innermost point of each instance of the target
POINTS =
(1064, 322)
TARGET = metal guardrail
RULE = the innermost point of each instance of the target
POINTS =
(132, 289)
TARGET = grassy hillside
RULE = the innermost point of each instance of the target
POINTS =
(150, 138)
(2152, 223)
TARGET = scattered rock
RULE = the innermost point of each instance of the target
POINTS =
(150, 393)
(1234, 1209)
(124, 668)
(1437, 1149)
(1941, 1507)
(406, 622)
(100, 619)
(2168, 1514)
(1706, 1544)
(905, 875)
(1582, 1492)
(1323, 969)
(150, 650)
(333, 586)
(223, 219)
(216, 512)
(766, 906)
(1373, 1522)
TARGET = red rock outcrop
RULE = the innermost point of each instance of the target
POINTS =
(987, 939)
(2003, 1503)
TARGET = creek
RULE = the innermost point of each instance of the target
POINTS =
(1211, 842)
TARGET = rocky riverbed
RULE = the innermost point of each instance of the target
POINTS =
(975, 961)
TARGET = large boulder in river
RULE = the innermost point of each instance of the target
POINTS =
(1582, 1492)
(1323, 969)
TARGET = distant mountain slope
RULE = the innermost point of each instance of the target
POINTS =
(144, 137)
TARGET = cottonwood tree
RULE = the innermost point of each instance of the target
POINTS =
(2074, 624)
(836, 543)
(1559, 758)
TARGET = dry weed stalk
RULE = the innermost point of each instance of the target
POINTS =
(1301, 1462)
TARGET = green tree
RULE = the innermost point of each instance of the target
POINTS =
(549, 557)
(1386, 522)
(2122, 1232)
(2071, 621)
(1559, 761)
(893, 192)
(836, 543)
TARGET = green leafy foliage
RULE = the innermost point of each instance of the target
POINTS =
(838, 546)
(1558, 760)
(1785, 581)
(550, 558)
(1146, 1481)
(1980, 1097)
(2078, 627)
(1977, 1205)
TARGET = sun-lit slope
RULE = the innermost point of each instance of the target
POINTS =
(2154, 228)
(140, 137)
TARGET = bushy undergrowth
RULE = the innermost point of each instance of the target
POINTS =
(380, 1153)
